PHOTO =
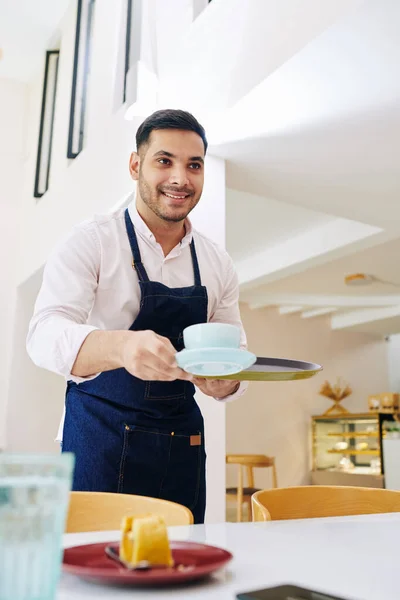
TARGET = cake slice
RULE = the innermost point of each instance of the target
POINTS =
(126, 544)
(145, 537)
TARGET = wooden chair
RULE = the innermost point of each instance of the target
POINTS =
(249, 461)
(308, 502)
(102, 511)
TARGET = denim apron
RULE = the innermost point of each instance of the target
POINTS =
(143, 437)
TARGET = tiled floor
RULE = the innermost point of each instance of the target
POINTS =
(231, 513)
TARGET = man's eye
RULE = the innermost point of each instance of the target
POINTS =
(195, 166)
(164, 161)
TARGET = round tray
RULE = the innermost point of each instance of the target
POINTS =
(275, 369)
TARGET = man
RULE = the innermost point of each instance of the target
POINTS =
(115, 299)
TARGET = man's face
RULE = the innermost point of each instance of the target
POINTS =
(170, 172)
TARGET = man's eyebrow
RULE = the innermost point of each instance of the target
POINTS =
(164, 153)
(170, 155)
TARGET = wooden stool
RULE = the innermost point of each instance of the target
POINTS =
(250, 461)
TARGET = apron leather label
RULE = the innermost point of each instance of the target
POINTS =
(195, 440)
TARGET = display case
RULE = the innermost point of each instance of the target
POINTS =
(347, 449)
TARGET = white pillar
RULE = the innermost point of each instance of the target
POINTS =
(209, 218)
(393, 348)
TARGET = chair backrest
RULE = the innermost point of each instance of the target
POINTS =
(308, 502)
(101, 511)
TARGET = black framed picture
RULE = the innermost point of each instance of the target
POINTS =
(83, 38)
(127, 43)
(47, 112)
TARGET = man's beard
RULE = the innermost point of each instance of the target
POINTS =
(151, 200)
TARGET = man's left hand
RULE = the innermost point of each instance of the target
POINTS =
(217, 388)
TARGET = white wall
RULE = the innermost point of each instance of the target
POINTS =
(36, 397)
(12, 115)
(92, 183)
(274, 418)
(99, 177)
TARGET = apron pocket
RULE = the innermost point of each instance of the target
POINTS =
(144, 460)
(165, 390)
(160, 464)
(186, 469)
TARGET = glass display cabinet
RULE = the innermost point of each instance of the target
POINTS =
(347, 449)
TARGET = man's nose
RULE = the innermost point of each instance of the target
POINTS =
(178, 175)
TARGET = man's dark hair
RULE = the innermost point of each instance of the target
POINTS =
(169, 119)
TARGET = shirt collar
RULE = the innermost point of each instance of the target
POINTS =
(142, 228)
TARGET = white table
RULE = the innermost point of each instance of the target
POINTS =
(355, 557)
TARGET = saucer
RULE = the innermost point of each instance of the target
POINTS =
(215, 362)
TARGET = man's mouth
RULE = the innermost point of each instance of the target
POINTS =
(176, 195)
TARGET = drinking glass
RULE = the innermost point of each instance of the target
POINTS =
(34, 495)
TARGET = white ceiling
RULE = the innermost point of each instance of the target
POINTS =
(368, 309)
(27, 27)
(345, 72)
(322, 133)
(349, 169)
(380, 327)
(275, 221)
(235, 44)
(381, 261)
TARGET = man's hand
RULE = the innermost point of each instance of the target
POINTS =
(144, 354)
(151, 357)
(217, 388)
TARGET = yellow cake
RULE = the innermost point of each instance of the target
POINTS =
(145, 537)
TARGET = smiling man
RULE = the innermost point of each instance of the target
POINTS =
(115, 299)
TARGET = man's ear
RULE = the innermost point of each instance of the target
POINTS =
(134, 164)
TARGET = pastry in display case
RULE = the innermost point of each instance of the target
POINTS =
(387, 402)
(347, 449)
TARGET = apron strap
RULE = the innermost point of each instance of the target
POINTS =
(137, 259)
(196, 270)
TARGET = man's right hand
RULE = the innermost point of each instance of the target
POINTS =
(151, 357)
(144, 354)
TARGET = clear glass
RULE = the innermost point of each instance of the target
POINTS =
(34, 494)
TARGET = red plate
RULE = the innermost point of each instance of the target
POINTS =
(197, 560)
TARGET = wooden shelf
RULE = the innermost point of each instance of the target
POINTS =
(354, 452)
(354, 434)
(370, 416)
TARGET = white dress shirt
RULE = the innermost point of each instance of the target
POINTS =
(89, 283)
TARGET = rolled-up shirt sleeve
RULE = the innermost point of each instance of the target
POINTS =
(228, 311)
(59, 326)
